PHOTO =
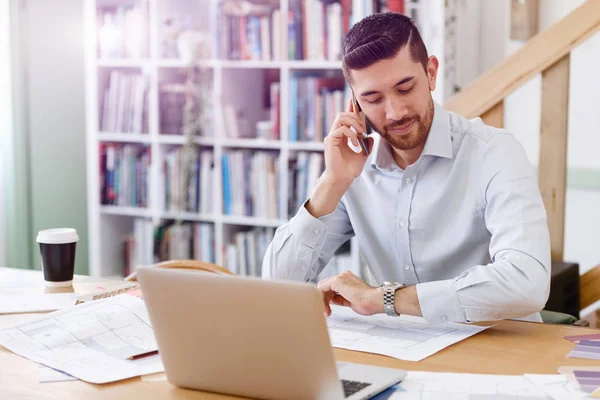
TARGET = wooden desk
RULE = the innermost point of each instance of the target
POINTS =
(510, 347)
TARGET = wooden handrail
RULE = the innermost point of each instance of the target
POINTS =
(539, 53)
(547, 53)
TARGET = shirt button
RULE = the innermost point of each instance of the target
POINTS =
(408, 180)
(402, 224)
(316, 231)
(444, 318)
(407, 267)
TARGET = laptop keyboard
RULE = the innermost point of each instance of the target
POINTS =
(351, 387)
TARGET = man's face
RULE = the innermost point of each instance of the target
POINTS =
(395, 95)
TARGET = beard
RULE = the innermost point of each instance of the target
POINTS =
(418, 134)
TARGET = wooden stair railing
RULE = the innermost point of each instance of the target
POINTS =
(537, 55)
(547, 53)
(589, 284)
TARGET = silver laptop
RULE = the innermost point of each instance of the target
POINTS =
(250, 337)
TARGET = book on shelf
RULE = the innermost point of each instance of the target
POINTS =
(124, 171)
(250, 182)
(246, 251)
(188, 240)
(172, 95)
(125, 103)
(275, 110)
(313, 105)
(123, 31)
(304, 170)
(396, 6)
(315, 29)
(199, 188)
(171, 106)
(236, 126)
(138, 246)
(230, 121)
(252, 33)
(343, 260)
(326, 19)
(339, 262)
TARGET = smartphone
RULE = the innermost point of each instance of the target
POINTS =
(362, 140)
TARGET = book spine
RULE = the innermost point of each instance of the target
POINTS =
(226, 184)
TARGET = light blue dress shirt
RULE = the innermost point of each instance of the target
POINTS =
(465, 223)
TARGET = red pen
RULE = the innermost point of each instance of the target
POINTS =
(138, 356)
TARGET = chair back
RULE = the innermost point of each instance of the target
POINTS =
(188, 264)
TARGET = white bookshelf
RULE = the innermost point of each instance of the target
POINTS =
(239, 81)
(124, 138)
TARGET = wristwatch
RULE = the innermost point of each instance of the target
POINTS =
(389, 295)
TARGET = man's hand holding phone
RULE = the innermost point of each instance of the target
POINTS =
(342, 163)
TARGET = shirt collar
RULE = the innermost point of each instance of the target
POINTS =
(382, 156)
(438, 144)
(439, 141)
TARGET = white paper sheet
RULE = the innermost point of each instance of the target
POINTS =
(406, 337)
(21, 303)
(90, 341)
(557, 387)
(51, 375)
(451, 386)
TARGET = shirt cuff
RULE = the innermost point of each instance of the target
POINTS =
(310, 229)
(439, 302)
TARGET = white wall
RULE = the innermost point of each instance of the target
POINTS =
(482, 30)
(522, 117)
(5, 108)
(45, 182)
(483, 41)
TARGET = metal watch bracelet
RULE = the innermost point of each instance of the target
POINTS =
(389, 297)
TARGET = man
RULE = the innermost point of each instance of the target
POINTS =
(446, 209)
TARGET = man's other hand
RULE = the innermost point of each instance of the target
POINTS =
(346, 289)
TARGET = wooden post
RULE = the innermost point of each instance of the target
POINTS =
(495, 116)
(524, 19)
(553, 150)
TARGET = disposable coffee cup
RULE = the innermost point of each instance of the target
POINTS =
(57, 248)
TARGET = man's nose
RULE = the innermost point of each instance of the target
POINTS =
(395, 109)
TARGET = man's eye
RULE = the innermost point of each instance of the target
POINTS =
(374, 101)
(405, 90)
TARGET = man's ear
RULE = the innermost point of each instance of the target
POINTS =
(432, 70)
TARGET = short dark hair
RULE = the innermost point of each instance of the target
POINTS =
(378, 37)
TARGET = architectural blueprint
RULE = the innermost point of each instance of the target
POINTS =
(406, 337)
(90, 341)
(452, 386)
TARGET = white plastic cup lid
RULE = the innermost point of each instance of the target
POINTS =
(57, 236)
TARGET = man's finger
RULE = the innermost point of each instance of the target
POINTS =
(349, 120)
(326, 300)
(329, 296)
(328, 284)
(344, 131)
(340, 301)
